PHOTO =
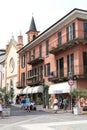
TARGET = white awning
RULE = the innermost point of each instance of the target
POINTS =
(19, 91)
(30, 90)
(60, 88)
(25, 90)
(36, 89)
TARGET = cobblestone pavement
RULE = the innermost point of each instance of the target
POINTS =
(42, 120)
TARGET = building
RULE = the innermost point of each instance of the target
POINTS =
(12, 63)
(2, 68)
(51, 58)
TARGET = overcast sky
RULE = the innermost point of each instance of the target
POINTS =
(15, 15)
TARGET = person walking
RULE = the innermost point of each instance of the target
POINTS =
(1, 109)
(27, 102)
(55, 105)
(23, 103)
(65, 103)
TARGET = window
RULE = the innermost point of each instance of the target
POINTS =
(22, 79)
(47, 69)
(47, 47)
(34, 37)
(70, 31)
(29, 73)
(59, 38)
(85, 30)
(40, 68)
(85, 62)
(29, 55)
(34, 71)
(40, 50)
(33, 54)
(60, 68)
(23, 61)
(70, 64)
(11, 65)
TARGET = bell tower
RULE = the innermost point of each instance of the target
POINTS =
(20, 41)
(32, 33)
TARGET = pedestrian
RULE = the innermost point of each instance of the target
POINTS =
(65, 104)
(23, 103)
(1, 109)
(55, 105)
(51, 102)
(27, 102)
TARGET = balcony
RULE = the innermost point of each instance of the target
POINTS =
(55, 48)
(35, 80)
(19, 86)
(79, 72)
(35, 59)
(55, 78)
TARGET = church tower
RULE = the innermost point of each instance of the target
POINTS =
(20, 41)
(32, 33)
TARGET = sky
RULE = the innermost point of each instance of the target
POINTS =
(15, 16)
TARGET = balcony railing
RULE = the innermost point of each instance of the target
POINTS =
(35, 58)
(19, 86)
(36, 61)
(79, 72)
(56, 47)
(35, 80)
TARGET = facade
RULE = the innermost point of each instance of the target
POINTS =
(12, 63)
(2, 68)
(51, 58)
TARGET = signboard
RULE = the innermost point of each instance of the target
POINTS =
(70, 82)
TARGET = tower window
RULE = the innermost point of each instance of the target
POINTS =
(34, 37)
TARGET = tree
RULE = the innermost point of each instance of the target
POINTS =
(79, 92)
(5, 95)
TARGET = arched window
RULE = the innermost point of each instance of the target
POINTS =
(34, 37)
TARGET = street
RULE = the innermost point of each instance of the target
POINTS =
(42, 120)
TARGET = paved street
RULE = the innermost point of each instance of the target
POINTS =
(42, 120)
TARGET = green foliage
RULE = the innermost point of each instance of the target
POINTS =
(79, 92)
(38, 101)
(5, 95)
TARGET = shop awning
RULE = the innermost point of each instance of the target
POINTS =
(36, 89)
(25, 90)
(19, 91)
(60, 88)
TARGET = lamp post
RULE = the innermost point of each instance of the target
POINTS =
(71, 82)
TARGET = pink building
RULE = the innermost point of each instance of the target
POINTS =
(51, 58)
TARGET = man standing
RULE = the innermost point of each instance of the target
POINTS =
(27, 102)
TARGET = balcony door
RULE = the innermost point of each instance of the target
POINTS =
(60, 68)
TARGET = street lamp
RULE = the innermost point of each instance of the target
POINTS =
(71, 82)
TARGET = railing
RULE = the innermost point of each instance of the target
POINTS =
(53, 44)
(79, 71)
(18, 85)
(79, 38)
(35, 79)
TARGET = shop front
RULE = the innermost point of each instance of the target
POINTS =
(61, 91)
(36, 93)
